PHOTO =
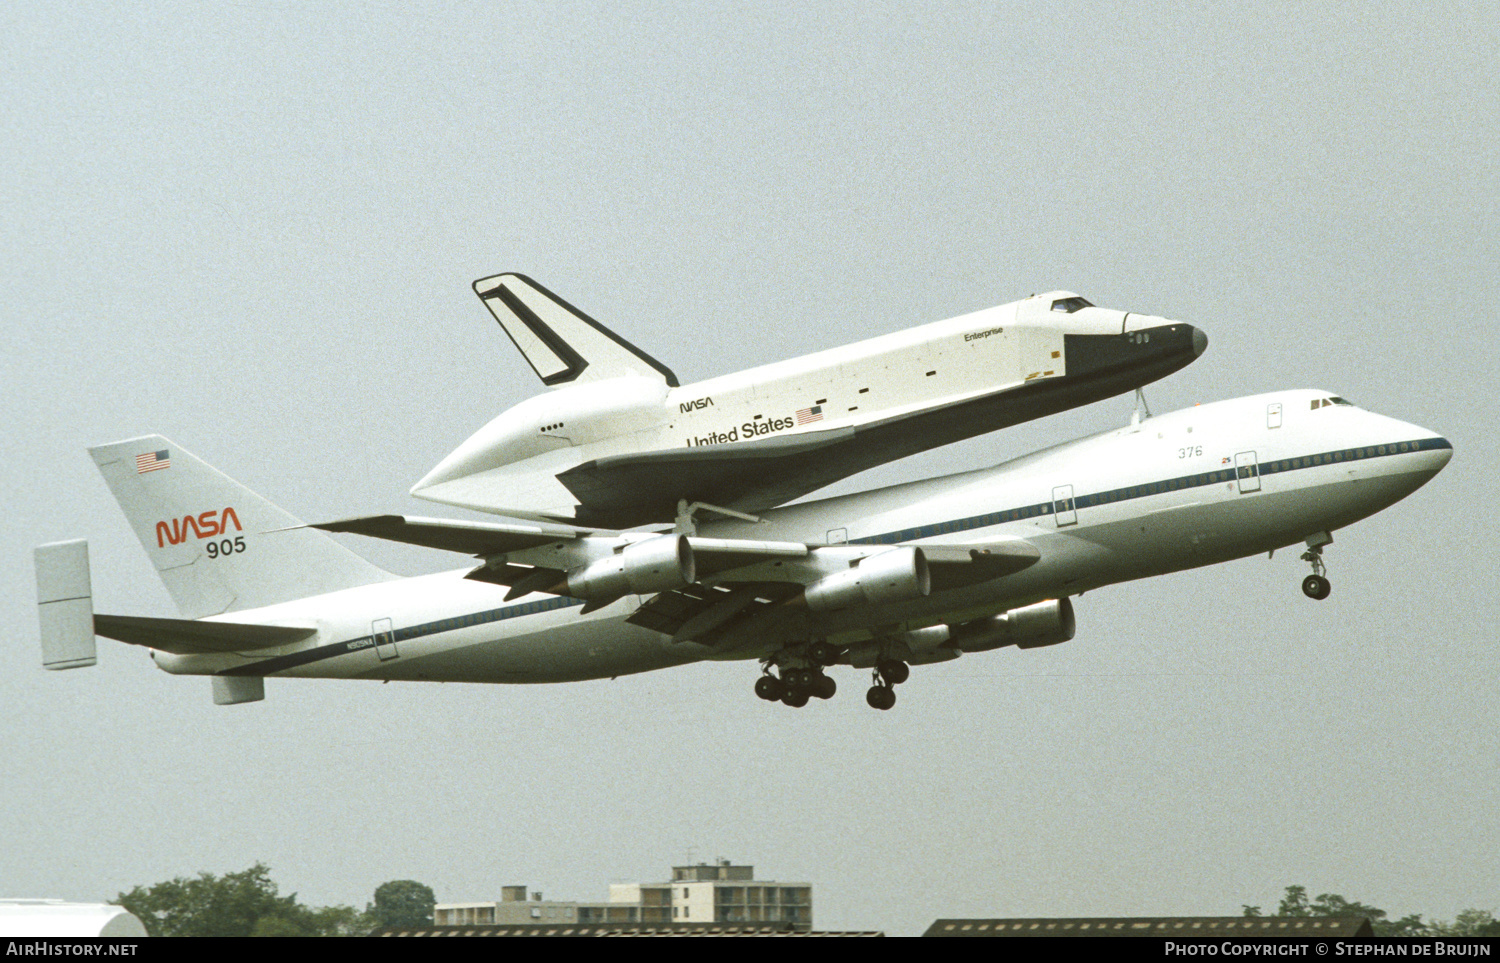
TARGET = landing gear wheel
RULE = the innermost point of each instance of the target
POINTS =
(823, 653)
(1316, 587)
(770, 688)
(881, 697)
(796, 698)
(893, 671)
(801, 679)
(825, 687)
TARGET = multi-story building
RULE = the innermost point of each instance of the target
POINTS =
(717, 892)
(513, 908)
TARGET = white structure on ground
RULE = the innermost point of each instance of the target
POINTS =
(716, 892)
(55, 917)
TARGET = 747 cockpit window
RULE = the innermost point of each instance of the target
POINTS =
(1325, 402)
(1069, 305)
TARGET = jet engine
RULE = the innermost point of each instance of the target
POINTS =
(642, 568)
(894, 576)
(1029, 627)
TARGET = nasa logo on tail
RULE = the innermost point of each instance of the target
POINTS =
(205, 525)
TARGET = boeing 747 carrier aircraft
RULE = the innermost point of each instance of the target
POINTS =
(882, 580)
(619, 443)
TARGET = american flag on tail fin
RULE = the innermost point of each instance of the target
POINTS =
(152, 461)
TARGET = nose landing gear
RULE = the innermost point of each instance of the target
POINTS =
(1316, 585)
(881, 697)
(888, 674)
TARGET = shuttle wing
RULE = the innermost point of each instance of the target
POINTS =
(645, 486)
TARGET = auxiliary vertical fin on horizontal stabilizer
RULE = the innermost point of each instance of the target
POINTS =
(65, 604)
(563, 345)
(218, 546)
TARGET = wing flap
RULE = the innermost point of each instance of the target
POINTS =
(700, 612)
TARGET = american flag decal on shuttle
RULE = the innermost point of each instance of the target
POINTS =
(806, 416)
(152, 461)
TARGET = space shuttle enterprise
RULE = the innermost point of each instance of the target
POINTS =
(619, 443)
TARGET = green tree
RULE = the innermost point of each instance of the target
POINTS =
(208, 905)
(280, 926)
(402, 902)
(1296, 903)
(235, 904)
(339, 921)
(319, 921)
(1470, 922)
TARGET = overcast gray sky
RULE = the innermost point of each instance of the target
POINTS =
(252, 227)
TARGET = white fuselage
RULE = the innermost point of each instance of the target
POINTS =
(1191, 488)
(512, 465)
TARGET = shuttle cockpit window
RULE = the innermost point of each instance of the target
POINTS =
(1069, 305)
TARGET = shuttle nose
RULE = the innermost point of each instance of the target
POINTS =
(456, 465)
(1146, 349)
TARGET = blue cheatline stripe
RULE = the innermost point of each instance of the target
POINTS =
(987, 520)
(1160, 487)
(405, 634)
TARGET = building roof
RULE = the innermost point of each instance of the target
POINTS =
(1185, 927)
(615, 929)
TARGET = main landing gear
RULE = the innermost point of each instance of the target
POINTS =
(888, 674)
(795, 685)
(1316, 585)
(798, 684)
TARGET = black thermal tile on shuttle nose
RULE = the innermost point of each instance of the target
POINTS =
(1172, 345)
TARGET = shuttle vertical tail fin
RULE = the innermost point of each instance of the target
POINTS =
(218, 546)
(562, 344)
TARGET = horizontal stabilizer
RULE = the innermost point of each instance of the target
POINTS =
(191, 637)
(563, 345)
(470, 538)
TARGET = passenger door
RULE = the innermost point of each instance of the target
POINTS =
(385, 639)
(1062, 505)
(1247, 472)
